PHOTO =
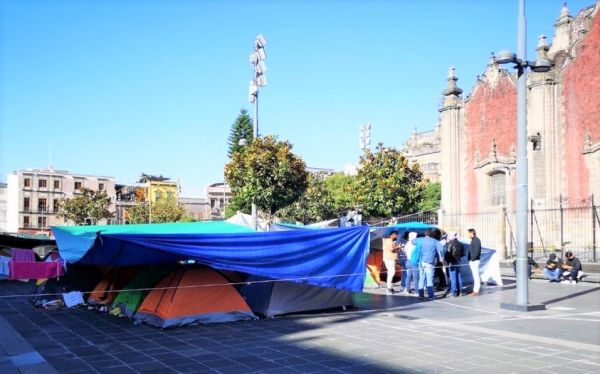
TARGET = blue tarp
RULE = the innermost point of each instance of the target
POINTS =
(327, 257)
(401, 228)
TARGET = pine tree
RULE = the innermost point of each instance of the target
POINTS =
(242, 128)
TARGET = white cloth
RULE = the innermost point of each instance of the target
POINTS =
(474, 265)
(390, 265)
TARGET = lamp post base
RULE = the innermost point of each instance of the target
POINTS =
(523, 308)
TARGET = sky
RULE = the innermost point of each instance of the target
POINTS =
(120, 88)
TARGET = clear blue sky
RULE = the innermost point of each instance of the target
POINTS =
(124, 87)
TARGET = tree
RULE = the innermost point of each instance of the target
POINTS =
(315, 204)
(89, 204)
(341, 189)
(242, 128)
(162, 211)
(387, 184)
(431, 197)
(268, 173)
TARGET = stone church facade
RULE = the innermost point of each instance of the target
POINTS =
(478, 132)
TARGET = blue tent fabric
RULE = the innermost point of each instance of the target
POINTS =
(401, 228)
(327, 257)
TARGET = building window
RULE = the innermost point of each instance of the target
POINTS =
(170, 196)
(498, 188)
(26, 206)
(100, 186)
(55, 205)
(77, 186)
(56, 184)
(27, 182)
(42, 205)
(41, 222)
(42, 183)
(26, 221)
(157, 196)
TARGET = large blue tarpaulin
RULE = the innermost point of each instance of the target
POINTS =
(328, 257)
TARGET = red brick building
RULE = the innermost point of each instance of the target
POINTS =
(478, 131)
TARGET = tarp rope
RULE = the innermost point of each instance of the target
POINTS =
(213, 284)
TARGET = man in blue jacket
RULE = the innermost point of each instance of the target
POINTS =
(431, 251)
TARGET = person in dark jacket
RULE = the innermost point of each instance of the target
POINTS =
(571, 267)
(474, 255)
(454, 253)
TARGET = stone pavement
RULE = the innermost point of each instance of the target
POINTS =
(388, 334)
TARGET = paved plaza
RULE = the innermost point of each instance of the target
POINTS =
(388, 334)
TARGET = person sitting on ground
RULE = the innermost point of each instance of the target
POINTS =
(531, 264)
(571, 268)
(553, 269)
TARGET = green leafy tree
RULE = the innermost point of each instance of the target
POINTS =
(167, 211)
(315, 204)
(235, 205)
(387, 184)
(162, 211)
(431, 197)
(89, 204)
(268, 173)
(242, 128)
(139, 213)
(341, 188)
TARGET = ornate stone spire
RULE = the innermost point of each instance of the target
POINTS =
(452, 88)
(564, 15)
(542, 47)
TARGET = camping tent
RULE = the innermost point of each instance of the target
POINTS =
(106, 290)
(319, 256)
(190, 296)
(129, 299)
(272, 298)
(376, 267)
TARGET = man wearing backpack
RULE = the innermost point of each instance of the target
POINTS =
(454, 254)
(431, 250)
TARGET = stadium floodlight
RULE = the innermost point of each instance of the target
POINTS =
(259, 80)
(261, 68)
(260, 53)
(260, 41)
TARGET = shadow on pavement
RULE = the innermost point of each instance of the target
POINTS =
(80, 340)
(571, 296)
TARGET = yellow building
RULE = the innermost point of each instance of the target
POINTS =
(158, 191)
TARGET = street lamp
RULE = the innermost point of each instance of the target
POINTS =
(539, 66)
(259, 80)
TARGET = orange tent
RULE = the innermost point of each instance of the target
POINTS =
(191, 296)
(376, 267)
(106, 291)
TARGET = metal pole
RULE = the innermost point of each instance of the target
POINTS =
(522, 188)
(255, 130)
(562, 227)
(593, 229)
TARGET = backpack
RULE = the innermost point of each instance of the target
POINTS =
(456, 250)
(415, 256)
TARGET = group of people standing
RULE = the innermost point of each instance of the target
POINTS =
(422, 256)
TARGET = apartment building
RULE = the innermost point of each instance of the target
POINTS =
(34, 196)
